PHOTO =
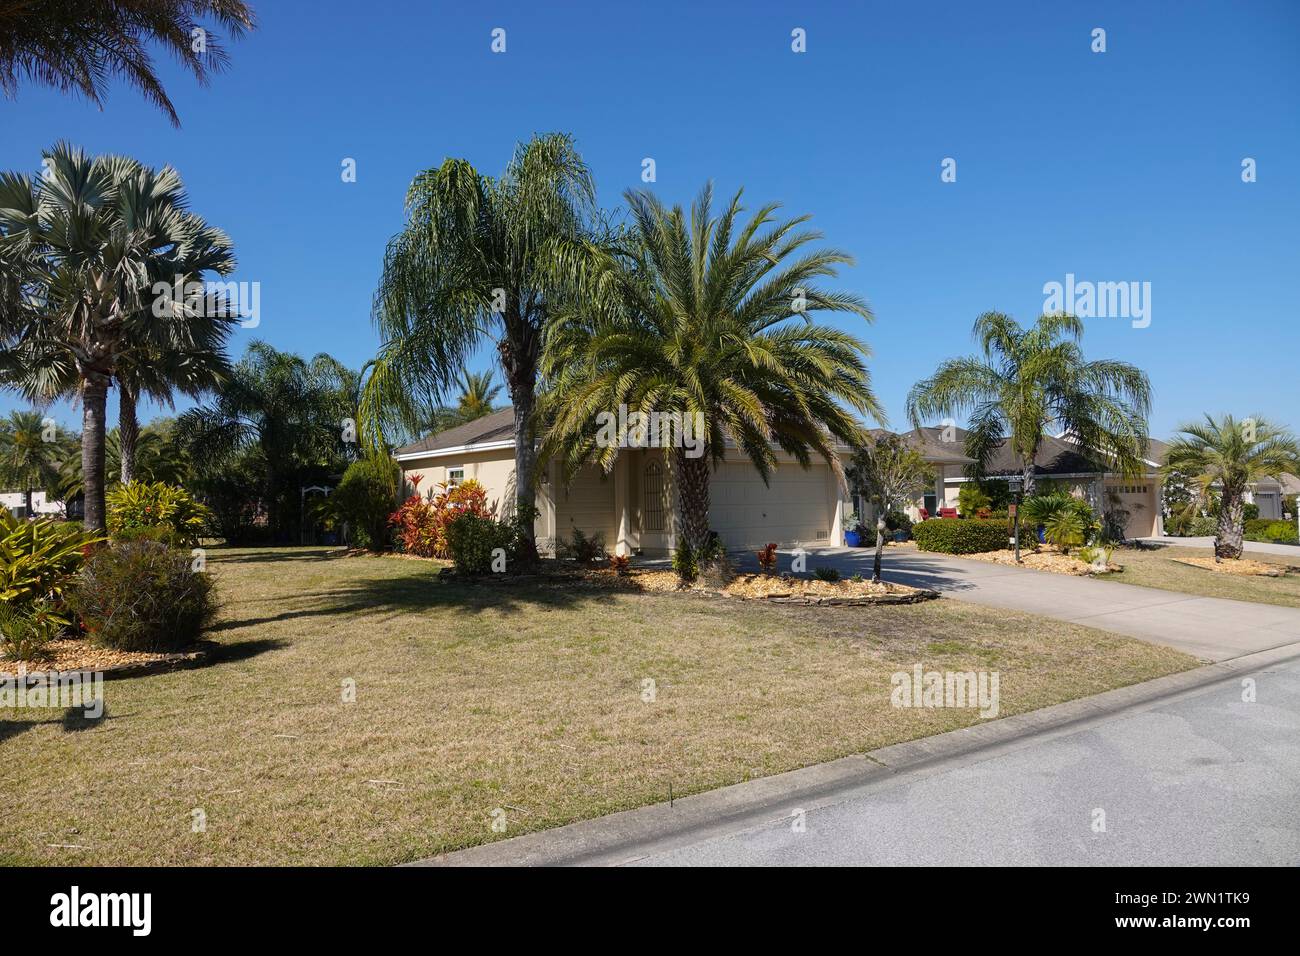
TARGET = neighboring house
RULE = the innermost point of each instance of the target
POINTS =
(16, 502)
(1060, 461)
(633, 507)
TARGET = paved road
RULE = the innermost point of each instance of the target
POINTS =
(1213, 629)
(1203, 779)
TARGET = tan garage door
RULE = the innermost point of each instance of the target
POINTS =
(1138, 499)
(795, 509)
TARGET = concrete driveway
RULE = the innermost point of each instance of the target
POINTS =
(1213, 629)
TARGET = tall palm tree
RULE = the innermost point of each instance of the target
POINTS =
(82, 44)
(1228, 455)
(28, 461)
(286, 410)
(703, 315)
(193, 369)
(480, 260)
(1029, 381)
(93, 236)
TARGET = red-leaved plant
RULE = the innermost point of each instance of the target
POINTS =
(422, 523)
(767, 558)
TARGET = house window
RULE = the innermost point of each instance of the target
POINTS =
(455, 476)
(654, 497)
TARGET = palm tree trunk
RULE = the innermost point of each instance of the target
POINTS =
(693, 493)
(1227, 543)
(94, 399)
(519, 354)
(128, 429)
(880, 544)
(1028, 476)
(28, 503)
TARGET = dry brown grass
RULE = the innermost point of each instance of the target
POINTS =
(1176, 568)
(472, 697)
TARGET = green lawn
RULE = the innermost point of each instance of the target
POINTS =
(1161, 569)
(474, 698)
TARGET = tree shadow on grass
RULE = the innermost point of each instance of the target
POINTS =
(405, 595)
(269, 554)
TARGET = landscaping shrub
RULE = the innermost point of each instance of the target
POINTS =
(826, 574)
(364, 501)
(621, 564)
(1250, 511)
(960, 535)
(39, 558)
(422, 524)
(472, 539)
(141, 505)
(767, 558)
(142, 596)
(583, 548)
(1270, 531)
(1067, 521)
(898, 521)
(25, 629)
(971, 498)
(685, 564)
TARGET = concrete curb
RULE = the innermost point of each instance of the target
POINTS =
(629, 835)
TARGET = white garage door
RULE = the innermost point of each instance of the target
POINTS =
(796, 507)
(1138, 499)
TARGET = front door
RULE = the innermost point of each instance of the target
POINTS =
(653, 505)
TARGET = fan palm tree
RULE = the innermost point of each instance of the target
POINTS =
(288, 411)
(1028, 381)
(29, 455)
(82, 44)
(94, 236)
(480, 260)
(1228, 455)
(709, 318)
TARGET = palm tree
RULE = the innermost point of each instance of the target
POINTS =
(160, 455)
(82, 45)
(1228, 455)
(480, 260)
(693, 319)
(1028, 381)
(289, 412)
(193, 370)
(477, 394)
(28, 461)
(92, 238)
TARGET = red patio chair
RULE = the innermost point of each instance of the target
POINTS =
(925, 515)
(947, 512)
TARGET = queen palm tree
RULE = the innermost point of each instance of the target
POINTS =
(29, 455)
(93, 236)
(1029, 381)
(1228, 455)
(709, 317)
(82, 44)
(480, 260)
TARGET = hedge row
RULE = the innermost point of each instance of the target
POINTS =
(961, 535)
(1276, 532)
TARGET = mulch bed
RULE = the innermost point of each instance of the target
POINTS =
(1045, 559)
(781, 589)
(75, 654)
(1241, 567)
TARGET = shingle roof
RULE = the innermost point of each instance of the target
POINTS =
(930, 442)
(495, 427)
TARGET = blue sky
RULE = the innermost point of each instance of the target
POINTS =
(1115, 166)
